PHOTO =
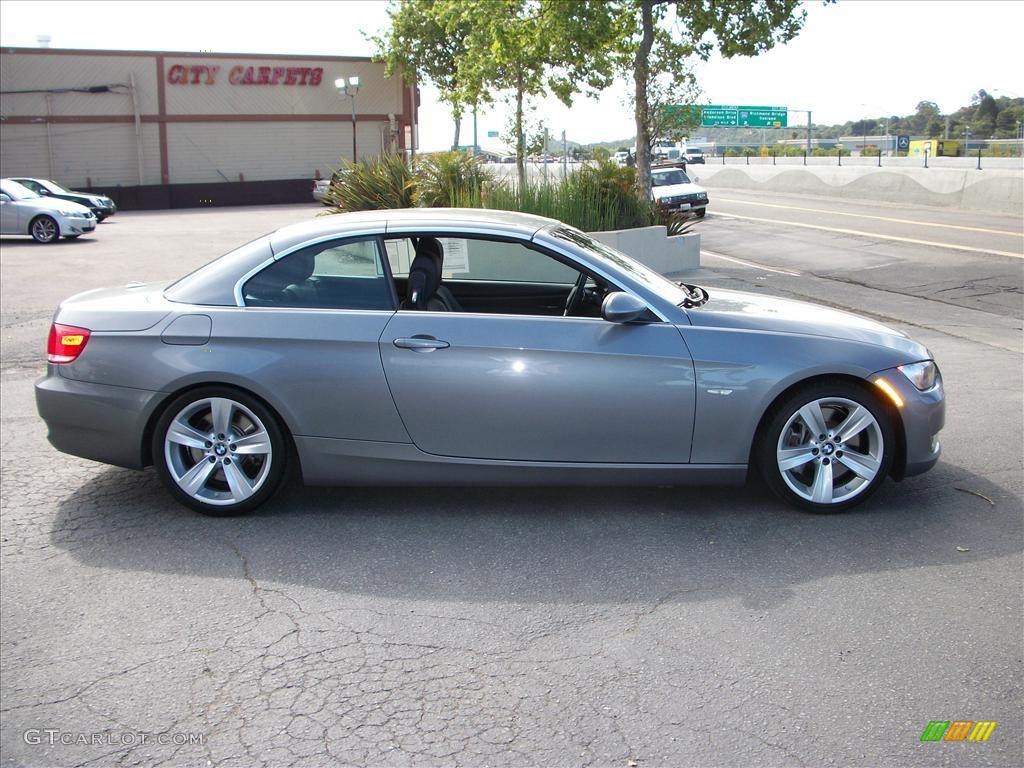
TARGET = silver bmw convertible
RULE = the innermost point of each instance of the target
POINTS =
(448, 347)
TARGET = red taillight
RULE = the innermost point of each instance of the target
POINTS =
(66, 343)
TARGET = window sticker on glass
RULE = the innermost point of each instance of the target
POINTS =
(400, 256)
(456, 254)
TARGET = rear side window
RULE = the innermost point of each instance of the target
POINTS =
(338, 274)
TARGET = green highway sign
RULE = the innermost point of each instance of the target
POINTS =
(717, 115)
(492, 134)
(744, 117)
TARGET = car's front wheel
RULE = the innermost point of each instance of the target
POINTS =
(44, 229)
(219, 451)
(828, 446)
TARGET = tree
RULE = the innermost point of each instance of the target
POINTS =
(925, 114)
(425, 44)
(524, 48)
(658, 35)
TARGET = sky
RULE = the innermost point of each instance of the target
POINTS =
(853, 59)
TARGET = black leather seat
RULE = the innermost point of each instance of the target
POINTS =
(425, 291)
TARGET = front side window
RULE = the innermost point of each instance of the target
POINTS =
(35, 186)
(338, 274)
(468, 258)
(454, 273)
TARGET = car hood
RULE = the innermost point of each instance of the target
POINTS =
(669, 190)
(81, 197)
(55, 204)
(750, 311)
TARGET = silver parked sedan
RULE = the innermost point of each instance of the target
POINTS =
(46, 219)
(438, 347)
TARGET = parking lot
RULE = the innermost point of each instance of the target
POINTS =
(515, 627)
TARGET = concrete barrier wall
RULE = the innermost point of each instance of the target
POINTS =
(999, 190)
(653, 246)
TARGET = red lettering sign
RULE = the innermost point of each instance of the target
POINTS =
(203, 74)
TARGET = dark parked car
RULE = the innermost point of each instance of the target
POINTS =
(102, 206)
(445, 346)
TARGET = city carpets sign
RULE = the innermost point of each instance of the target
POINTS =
(203, 74)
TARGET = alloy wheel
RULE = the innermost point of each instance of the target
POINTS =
(830, 450)
(218, 451)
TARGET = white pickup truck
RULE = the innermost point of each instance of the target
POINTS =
(671, 187)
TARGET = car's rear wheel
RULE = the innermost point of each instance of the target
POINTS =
(827, 447)
(219, 451)
(44, 229)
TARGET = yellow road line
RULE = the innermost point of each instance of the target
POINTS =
(877, 218)
(875, 235)
(753, 264)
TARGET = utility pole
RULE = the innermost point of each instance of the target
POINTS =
(565, 155)
(544, 159)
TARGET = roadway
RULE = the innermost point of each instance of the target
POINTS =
(511, 627)
(952, 270)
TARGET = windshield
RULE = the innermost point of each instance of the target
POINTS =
(667, 178)
(16, 191)
(55, 187)
(621, 262)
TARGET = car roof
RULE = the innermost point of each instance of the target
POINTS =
(215, 282)
(406, 220)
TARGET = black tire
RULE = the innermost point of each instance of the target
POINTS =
(854, 465)
(44, 229)
(700, 213)
(216, 496)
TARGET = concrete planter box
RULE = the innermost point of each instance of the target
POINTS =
(653, 246)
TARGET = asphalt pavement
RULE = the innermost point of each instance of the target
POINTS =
(523, 627)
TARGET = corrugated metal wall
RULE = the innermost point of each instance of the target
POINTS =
(63, 134)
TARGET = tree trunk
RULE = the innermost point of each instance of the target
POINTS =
(458, 129)
(641, 75)
(520, 138)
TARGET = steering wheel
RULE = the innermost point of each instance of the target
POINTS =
(575, 299)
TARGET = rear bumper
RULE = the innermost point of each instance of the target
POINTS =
(95, 421)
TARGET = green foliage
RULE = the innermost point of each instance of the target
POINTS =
(593, 198)
(383, 182)
(450, 180)
(601, 154)
(425, 46)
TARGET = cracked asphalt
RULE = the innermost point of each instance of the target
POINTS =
(523, 627)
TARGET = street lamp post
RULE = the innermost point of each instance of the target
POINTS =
(349, 88)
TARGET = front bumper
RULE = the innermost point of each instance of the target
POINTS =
(95, 421)
(923, 415)
(76, 225)
(684, 205)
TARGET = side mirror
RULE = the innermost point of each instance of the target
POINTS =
(44, 192)
(622, 307)
(4, 198)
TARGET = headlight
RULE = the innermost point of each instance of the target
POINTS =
(922, 375)
(62, 212)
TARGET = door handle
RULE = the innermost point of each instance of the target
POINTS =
(421, 343)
